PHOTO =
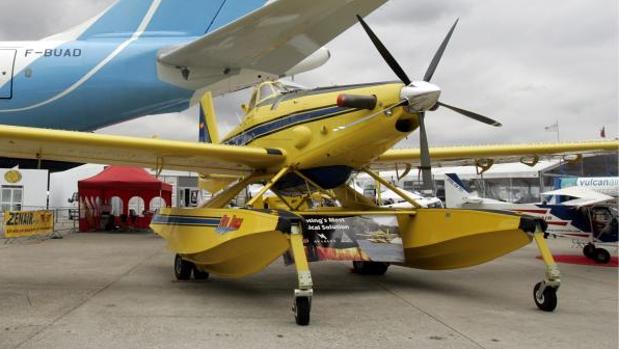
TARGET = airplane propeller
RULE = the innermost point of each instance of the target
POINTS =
(423, 96)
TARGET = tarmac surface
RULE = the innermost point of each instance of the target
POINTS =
(119, 291)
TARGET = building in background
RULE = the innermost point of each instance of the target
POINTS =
(514, 182)
(23, 190)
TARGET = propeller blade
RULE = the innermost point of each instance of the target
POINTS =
(367, 118)
(393, 64)
(472, 115)
(426, 163)
(439, 54)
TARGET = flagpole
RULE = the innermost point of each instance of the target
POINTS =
(558, 133)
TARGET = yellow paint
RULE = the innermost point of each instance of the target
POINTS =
(543, 248)
(355, 146)
(307, 145)
(302, 135)
(281, 173)
(245, 251)
(208, 107)
(28, 223)
(451, 238)
(298, 252)
(12, 176)
(433, 239)
(467, 155)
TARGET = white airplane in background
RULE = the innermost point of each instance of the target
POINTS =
(391, 199)
(587, 216)
(144, 57)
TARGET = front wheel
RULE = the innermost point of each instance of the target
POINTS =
(601, 256)
(589, 250)
(546, 300)
(302, 307)
(370, 268)
(182, 268)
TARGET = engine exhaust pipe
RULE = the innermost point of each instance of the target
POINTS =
(357, 101)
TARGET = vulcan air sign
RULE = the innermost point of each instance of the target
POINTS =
(605, 185)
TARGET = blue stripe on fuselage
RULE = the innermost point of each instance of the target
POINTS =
(186, 220)
(285, 122)
(570, 213)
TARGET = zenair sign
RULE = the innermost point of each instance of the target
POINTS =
(28, 223)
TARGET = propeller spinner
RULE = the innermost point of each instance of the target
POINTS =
(422, 96)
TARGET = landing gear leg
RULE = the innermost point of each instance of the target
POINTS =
(303, 295)
(545, 292)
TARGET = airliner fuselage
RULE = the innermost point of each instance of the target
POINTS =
(84, 85)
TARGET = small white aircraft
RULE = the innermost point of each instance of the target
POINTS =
(587, 216)
(390, 199)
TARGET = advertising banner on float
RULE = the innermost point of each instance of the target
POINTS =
(28, 223)
(358, 238)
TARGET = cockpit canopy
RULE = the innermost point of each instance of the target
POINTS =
(268, 90)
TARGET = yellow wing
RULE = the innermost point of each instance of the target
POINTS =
(82, 147)
(484, 155)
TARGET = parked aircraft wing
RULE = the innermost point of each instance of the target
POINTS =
(272, 39)
(484, 155)
(82, 147)
(583, 196)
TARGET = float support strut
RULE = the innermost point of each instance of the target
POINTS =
(268, 186)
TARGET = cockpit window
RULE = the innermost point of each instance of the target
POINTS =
(252, 101)
(266, 91)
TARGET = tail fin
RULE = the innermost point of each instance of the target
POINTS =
(455, 191)
(208, 121)
(164, 18)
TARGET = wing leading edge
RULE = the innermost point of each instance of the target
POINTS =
(81, 147)
(472, 155)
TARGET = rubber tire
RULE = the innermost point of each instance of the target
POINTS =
(182, 268)
(199, 274)
(601, 256)
(589, 251)
(549, 298)
(370, 268)
(302, 308)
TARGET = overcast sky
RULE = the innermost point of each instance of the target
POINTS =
(526, 63)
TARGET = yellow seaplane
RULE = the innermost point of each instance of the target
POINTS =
(303, 146)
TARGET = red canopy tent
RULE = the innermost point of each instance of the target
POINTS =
(110, 194)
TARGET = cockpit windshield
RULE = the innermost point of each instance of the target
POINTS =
(269, 90)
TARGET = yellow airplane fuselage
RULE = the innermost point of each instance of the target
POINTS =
(305, 126)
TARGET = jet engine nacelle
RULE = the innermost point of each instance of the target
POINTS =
(317, 59)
